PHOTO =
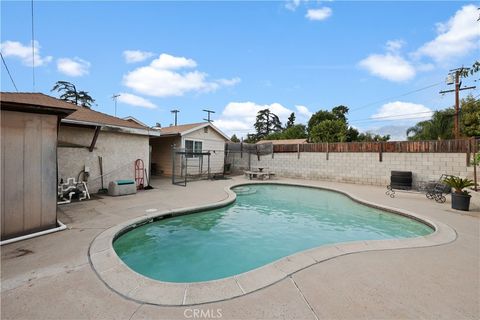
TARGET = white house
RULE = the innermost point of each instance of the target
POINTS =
(194, 137)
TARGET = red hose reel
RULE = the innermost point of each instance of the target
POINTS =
(139, 174)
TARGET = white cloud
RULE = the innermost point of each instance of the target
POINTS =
(132, 56)
(390, 66)
(459, 36)
(394, 45)
(399, 110)
(161, 78)
(304, 111)
(228, 82)
(455, 38)
(135, 100)
(75, 67)
(292, 4)
(239, 117)
(319, 14)
(24, 53)
(397, 133)
(169, 62)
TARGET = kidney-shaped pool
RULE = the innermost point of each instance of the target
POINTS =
(265, 223)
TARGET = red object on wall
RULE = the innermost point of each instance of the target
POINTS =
(139, 173)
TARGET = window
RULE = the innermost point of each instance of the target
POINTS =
(192, 146)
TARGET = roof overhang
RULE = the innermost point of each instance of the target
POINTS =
(31, 108)
(112, 128)
(206, 124)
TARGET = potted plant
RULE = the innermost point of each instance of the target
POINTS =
(460, 197)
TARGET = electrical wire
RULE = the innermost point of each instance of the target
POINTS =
(397, 96)
(8, 71)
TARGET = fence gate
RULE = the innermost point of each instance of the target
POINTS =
(188, 165)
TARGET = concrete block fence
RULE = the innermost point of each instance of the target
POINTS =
(360, 167)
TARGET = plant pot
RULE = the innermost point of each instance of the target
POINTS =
(461, 201)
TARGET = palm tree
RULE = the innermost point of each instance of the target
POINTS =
(70, 94)
(440, 127)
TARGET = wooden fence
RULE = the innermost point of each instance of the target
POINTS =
(447, 146)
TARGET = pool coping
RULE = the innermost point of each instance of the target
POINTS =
(117, 276)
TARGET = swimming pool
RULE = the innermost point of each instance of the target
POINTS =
(265, 223)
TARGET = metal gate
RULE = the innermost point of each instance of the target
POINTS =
(188, 165)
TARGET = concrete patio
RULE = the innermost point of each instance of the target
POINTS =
(50, 277)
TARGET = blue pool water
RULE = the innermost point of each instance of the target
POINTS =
(264, 224)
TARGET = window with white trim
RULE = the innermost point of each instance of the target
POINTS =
(192, 146)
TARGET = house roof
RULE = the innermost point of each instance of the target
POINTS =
(88, 115)
(284, 141)
(184, 129)
(34, 102)
(133, 119)
(77, 115)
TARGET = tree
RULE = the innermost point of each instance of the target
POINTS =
(352, 134)
(251, 138)
(329, 131)
(465, 72)
(234, 138)
(297, 131)
(318, 117)
(440, 127)
(267, 122)
(370, 137)
(290, 121)
(70, 94)
(470, 116)
(340, 112)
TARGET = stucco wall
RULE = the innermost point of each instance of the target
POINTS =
(118, 150)
(363, 168)
(211, 141)
(29, 188)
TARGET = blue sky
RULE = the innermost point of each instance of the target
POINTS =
(238, 57)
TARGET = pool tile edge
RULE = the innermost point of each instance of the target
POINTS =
(126, 282)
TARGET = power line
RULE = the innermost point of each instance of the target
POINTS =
(8, 71)
(395, 115)
(397, 96)
(33, 49)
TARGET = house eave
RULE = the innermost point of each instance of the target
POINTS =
(114, 128)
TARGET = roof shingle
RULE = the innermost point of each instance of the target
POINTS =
(80, 114)
(172, 130)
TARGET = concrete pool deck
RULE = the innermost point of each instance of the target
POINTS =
(50, 277)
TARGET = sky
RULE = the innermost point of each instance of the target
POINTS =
(386, 61)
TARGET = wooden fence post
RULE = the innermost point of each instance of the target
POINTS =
(298, 151)
(380, 153)
(475, 164)
(469, 150)
(326, 155)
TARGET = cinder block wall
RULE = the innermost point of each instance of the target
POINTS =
(363, 168)
(118, 150)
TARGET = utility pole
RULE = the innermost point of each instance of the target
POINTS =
(457, 73)
(208, 115)
(115, 97)
(175, 111)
